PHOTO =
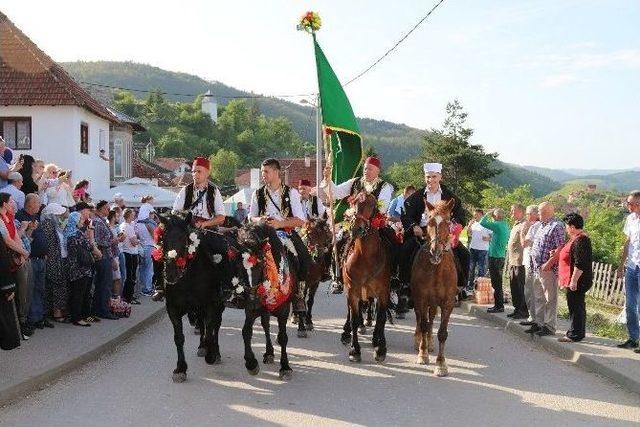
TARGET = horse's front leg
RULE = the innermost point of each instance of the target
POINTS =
(212, 322)
(356, 320)
(180, 373)
(380, 344)
(310, 300)
(441, 365)
(283, 339)
(250, 361)
(345, 338)
(199, 325)
(267, 357)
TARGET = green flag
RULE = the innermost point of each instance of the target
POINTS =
(338, 117)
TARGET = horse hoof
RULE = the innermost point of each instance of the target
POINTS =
(285, 375)
(369, 323)
(345, 339)
(179, 377)
(309, 326)
(362, 330)
(294, 320)
(202, 352)
(213, 360)
(302, 334)
(254, 371)
(380, 357)
(441, 371)
(422, 360)
(267, 359)
(354, 357)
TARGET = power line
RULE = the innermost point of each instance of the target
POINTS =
(191, 95)
(395, 45)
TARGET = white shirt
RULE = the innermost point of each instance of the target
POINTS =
(479, 232)
(308, 208)
(433, 198)
(273, 210)
(200, 210)
(526, 254)
(146, 239)
(129, 231)
(344, 190)
(632, 231)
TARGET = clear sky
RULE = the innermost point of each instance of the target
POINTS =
(548, 83)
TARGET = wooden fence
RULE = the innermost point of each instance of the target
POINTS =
(607, 286)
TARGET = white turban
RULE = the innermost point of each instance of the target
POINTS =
(432, 167)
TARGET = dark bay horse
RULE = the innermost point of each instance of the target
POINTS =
(194, 272)
(257, 243)
(367, 273)
(434, 284)
(317, 237)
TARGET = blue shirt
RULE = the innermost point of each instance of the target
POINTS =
(396, 206)
(39, 246)
(4, 167)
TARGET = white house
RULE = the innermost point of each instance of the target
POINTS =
(45, 113)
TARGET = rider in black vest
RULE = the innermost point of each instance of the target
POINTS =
(204, 205)
(279, 206)
(311, 204)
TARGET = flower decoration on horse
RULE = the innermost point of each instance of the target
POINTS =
(172, 255)
(310, 22)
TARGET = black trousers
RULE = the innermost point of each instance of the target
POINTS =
(462, 257)
(516, 284)
(577, 314)
(131, 264)
(409, 249)
(495, 273)
(304, 257)
(79, 291)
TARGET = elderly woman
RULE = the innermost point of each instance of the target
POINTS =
(80, 262)
(56, 287)
(144, 229)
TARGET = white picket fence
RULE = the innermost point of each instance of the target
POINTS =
(607, 286)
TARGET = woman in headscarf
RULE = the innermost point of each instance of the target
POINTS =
(144, 229)
(80, 262)
(56, 287)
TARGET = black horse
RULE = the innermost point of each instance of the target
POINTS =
(195, 267)
(252, 240)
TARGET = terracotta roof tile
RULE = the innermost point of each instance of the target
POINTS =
(29, 77)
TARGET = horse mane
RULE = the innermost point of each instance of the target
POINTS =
(440, 208)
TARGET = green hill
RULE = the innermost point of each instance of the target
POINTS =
(394, 142)
(621, 181)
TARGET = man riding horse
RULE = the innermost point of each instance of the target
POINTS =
(311, 203)
(279, 206)
(371, 183)
(202, 200)
(414, 220)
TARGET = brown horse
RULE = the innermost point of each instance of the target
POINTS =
(367, 272)
(317, 237)
(434, 284)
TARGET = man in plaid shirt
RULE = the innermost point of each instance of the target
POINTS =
(549, 238)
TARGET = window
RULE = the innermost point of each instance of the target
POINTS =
(16, 132)
(84, 138)
(118, 157)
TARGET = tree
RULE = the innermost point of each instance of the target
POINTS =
(497, 197)
(224, 165)
(604, 227)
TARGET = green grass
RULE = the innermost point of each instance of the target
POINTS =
(601, 318)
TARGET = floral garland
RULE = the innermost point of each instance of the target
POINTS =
(310, 22)
(181, 262)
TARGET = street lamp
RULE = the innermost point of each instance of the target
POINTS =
(316, 105)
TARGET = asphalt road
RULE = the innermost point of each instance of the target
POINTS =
(495, 379)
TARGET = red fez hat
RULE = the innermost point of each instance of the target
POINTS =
(304, 182)
(201, 161)
(373, 161)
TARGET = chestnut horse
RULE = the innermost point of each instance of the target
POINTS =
(434, 284)
(367, 272)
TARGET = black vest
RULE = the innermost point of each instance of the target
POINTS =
(211, 198)
(285, 201)
(357, 186)
(314, 206)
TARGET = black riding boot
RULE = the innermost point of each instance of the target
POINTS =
(158, 281)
